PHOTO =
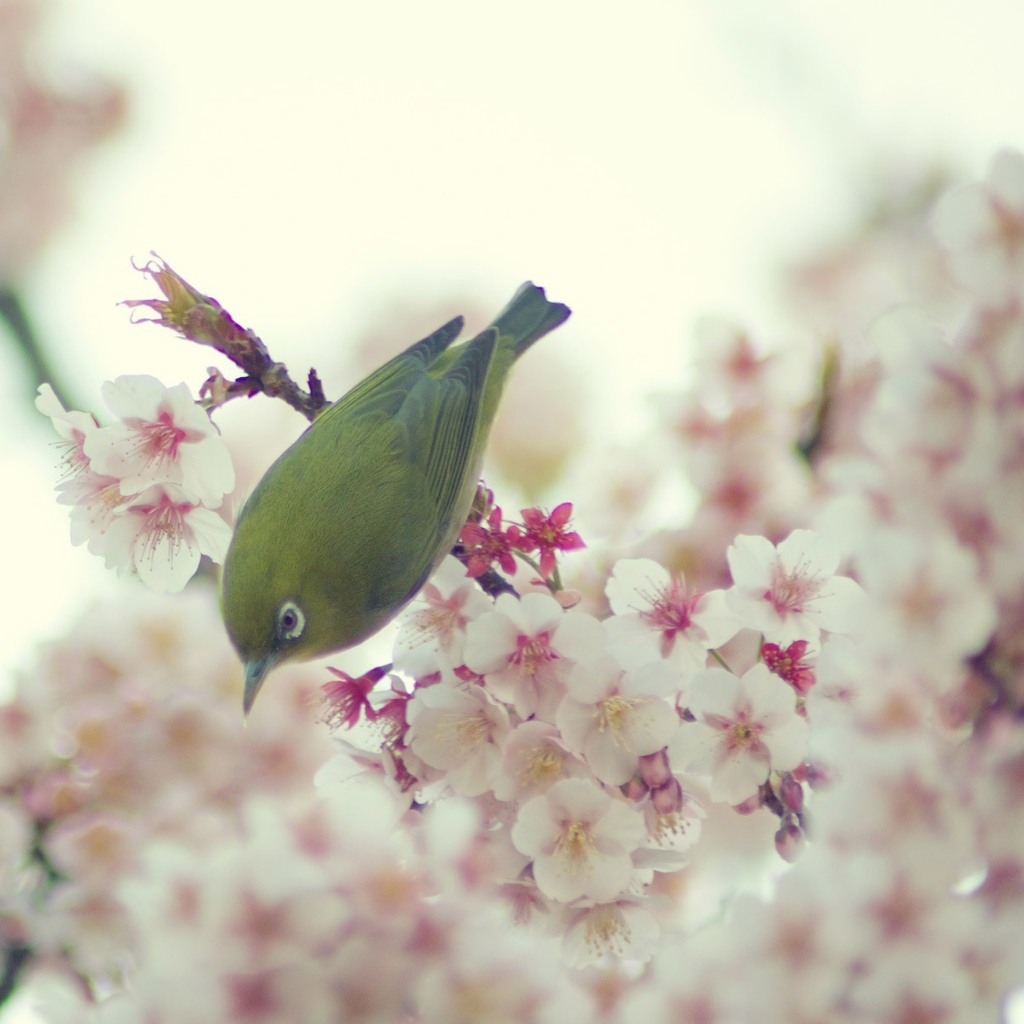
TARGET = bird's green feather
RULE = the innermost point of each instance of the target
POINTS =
(353, 517)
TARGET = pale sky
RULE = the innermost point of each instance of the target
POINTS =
(646, 163)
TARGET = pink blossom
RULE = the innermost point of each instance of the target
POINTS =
(535, 758)
(656, 617)
(73, 427)
(929, 603)
(548, 534)
(16, 839)
(580, 840)
(745, 728)
(789, 664)
(485, 545)
(735, 369)
(624, 929)
(676, 829)
(93, 845)
(931, 403)
(346, 700)
(459, 731)
(163, 437)
(432, 631)
(613, 717)
(525, 648)
(982, 227)
(51, 113)
(159, 536)
(96, 501)
(141, 490)
(491, 974)
(382, 767)
(791, 592)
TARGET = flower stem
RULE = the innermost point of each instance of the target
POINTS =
(26, 340)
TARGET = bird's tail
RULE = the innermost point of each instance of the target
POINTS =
(529, 316)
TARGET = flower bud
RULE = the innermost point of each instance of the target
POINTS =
(791, 793)
(820, 776)
(190, 313)
(636, 789)
(751, 804)
(654, 768)
(668, 799)
(790, 841)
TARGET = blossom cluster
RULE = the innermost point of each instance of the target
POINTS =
(907, 904)
(45, 127)
(486, 539)
(125, 730)
(142, 491)
(598, 773)
(581, 741)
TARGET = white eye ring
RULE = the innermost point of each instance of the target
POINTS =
(290, 621)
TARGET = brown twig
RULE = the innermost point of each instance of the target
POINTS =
(202, 319)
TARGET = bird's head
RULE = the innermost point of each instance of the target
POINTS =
(273, 610)
(286, 600)
(281, 639)
(267, 624)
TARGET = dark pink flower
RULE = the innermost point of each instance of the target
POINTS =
(346, 699)
(548, 534)
(486, 544)
(788, 664)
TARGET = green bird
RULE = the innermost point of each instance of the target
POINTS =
(350, 522)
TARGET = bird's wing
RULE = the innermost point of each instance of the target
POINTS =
(439, 421)
(382, 393)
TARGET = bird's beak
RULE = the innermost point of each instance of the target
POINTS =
(255, 672)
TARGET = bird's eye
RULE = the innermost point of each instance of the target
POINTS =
(290, 621)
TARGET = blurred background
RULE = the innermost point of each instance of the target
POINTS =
(342, 175)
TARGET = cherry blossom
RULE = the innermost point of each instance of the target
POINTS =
(52, 112)
(432, 631)
(982, 226)
(459, 731)
(523, 783)
(580, 840)
(93, 845)
(493, 974)
(655, 617)
(74, 427)
(525, 649)
(485, 545)
(140, 699)
(375, 767)
(674, 828)
(788, 664)
(141, 491)
(745, 728)
(735, 369)
(548, 534)
(929, 604)
(347, 700)
(624, 929)
(611, 717)
(928, 399)
(791, 592)
(96, 501)
(163, 437)
(535, 758)
(159, 536)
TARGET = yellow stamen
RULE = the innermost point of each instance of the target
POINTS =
(542, 766)
(575, 845)
(465, 732)
(614, 713)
